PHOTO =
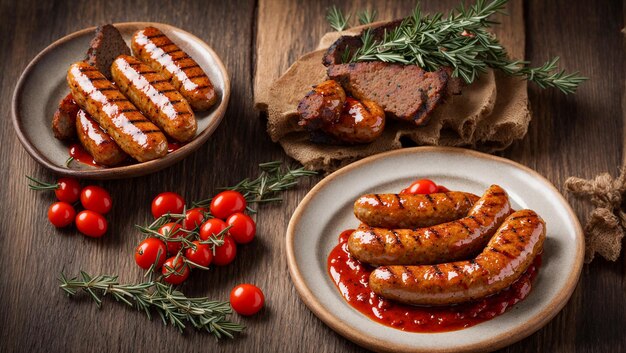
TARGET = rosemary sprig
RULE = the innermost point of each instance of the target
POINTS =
(39, 185)
(460, 41)
(367, 16)
(336, 19)
(272, 180)
(172, 306)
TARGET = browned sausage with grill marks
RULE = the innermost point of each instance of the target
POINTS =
(154, 48)
(97, 142)
(64, 120)
(135, 134)
(455, 240)
(411, 211)
(154, 95)
(321, 106)
(507, 256)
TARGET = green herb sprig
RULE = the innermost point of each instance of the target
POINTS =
(460, 41)
(336, 19)
(273, 179)
(173, 306)
(367, 16)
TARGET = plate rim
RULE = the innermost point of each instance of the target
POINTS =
(136, 169)
(494, 343)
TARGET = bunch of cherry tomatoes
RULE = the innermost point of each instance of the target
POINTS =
(95, 200)
(182, 240)
(194, 238)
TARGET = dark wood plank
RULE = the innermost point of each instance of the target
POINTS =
(579, 135)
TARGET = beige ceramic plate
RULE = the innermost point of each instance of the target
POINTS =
(327, 210)
(43, 84)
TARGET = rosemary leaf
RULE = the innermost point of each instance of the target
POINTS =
(367, 16)
(172, 306)
(462, 42)
(336, 19)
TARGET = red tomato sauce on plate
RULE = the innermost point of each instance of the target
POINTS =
(78, 152)
(352, 279)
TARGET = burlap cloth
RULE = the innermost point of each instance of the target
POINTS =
(606, 224)
(489, 115)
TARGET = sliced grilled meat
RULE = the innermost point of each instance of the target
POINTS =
(405, 92)
(107, 45)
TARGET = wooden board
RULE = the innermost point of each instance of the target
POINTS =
(575, 135)
(271, 62)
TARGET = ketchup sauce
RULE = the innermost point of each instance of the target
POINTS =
(78, 152)
(173, 146)
(352, 279)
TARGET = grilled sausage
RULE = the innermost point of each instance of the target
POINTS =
(64, 120)
(506, 257)
(411, 211)
(322, 105)
(359, 122)
(451, 241)
(154, 48)
(155, 96)
(135, 134)
(97, 142)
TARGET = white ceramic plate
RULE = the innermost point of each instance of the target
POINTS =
(327, 210)
(43, 84)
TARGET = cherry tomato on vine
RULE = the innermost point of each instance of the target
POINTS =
(226, 203)
(193, 218)
(175, 270)
(147, 252)
(421, 186)
(247, 299)
(96, 199)
(91, 224)
(172, 230)
(167, 202)
(211, 227)
(61, 214)
(68, 190)
(242, 228)
(225, 253)
(202, 255)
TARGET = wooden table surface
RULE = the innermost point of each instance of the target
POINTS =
(579, 135)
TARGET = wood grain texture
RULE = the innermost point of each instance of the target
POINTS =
(570, 135)
(300, 32)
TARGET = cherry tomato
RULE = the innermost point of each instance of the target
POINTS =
(246, 299)
(61, 214)
(225, 253)
(167, 202)
(175, 270)
(193, 218)
(201, 256)
(91, 224)
(212, 227)
(96, 199)
(68, 190)
(226, 203)
(172, 230)
(422, 186)
(441, 188)
(242, 228)
(147, 252)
